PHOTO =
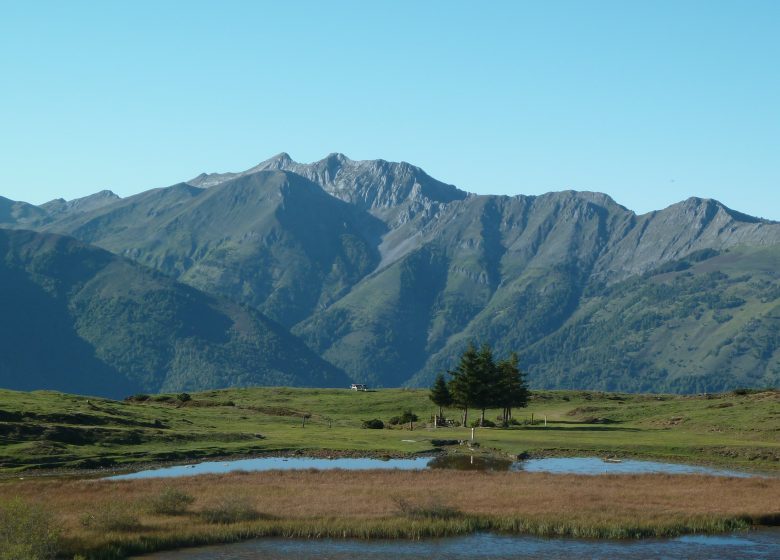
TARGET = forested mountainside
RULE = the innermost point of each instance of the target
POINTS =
(79, 319)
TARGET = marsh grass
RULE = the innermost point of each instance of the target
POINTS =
(398, 504)
(432, 507)
(111, 516)
(230, 509)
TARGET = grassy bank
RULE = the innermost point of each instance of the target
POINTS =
(54, 430)
(112, 519)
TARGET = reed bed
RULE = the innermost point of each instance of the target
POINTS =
(398, 504)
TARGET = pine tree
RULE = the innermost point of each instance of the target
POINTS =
(489, 386)
(512, 387)
(440, 395)
(465, 383)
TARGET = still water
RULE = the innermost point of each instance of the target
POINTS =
(569, 465)
(763, 544)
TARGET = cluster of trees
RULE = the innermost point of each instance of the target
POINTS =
(479, 382)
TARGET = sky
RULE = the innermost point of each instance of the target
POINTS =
(648, 101)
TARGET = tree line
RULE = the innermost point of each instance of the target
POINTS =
(480, 382)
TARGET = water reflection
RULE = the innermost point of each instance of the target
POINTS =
(462, 462)
(471, 463)
(596, 466)
(279, 463)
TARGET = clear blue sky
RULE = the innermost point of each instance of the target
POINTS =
(648, 101)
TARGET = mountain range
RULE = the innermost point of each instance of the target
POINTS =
(386, 274)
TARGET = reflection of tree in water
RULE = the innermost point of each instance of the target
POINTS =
(470, 463)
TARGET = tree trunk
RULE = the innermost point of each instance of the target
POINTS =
(482, 418)
(465, 417)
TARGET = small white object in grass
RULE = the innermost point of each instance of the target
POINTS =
(409, 440)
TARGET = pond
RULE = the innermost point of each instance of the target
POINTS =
(761, 544)
(569, 465)
(278, 463)
(594, 466)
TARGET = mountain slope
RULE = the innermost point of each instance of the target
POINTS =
(271, 239)
(20, 214)
(514, 272)
(388, 273)
(80, 319)
(403, 197)
(710, 322)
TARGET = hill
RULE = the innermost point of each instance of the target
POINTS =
(78, 318)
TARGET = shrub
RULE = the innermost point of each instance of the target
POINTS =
(405, 417)
(183, 397)
(230, 510)
(374, 424)
(26, 531)
(140, 397)
(433, 508)
(443, 442)
(111, 516)
(171, 502)
(486, 424)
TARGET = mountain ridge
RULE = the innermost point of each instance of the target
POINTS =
(387, 272)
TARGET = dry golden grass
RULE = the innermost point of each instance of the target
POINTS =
(366, 503)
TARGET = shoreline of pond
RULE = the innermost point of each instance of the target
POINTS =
(192, 459)
(743, 544)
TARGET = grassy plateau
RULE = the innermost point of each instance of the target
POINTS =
(54, 431)
(54, 444)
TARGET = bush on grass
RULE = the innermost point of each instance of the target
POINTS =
(406, 417)
(486, 424)
(171, 501)
(27, 531)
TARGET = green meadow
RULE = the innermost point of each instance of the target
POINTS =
(49, 430)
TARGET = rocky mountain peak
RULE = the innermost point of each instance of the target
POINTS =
(281, 160)
(83, 204)
(377, 185)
